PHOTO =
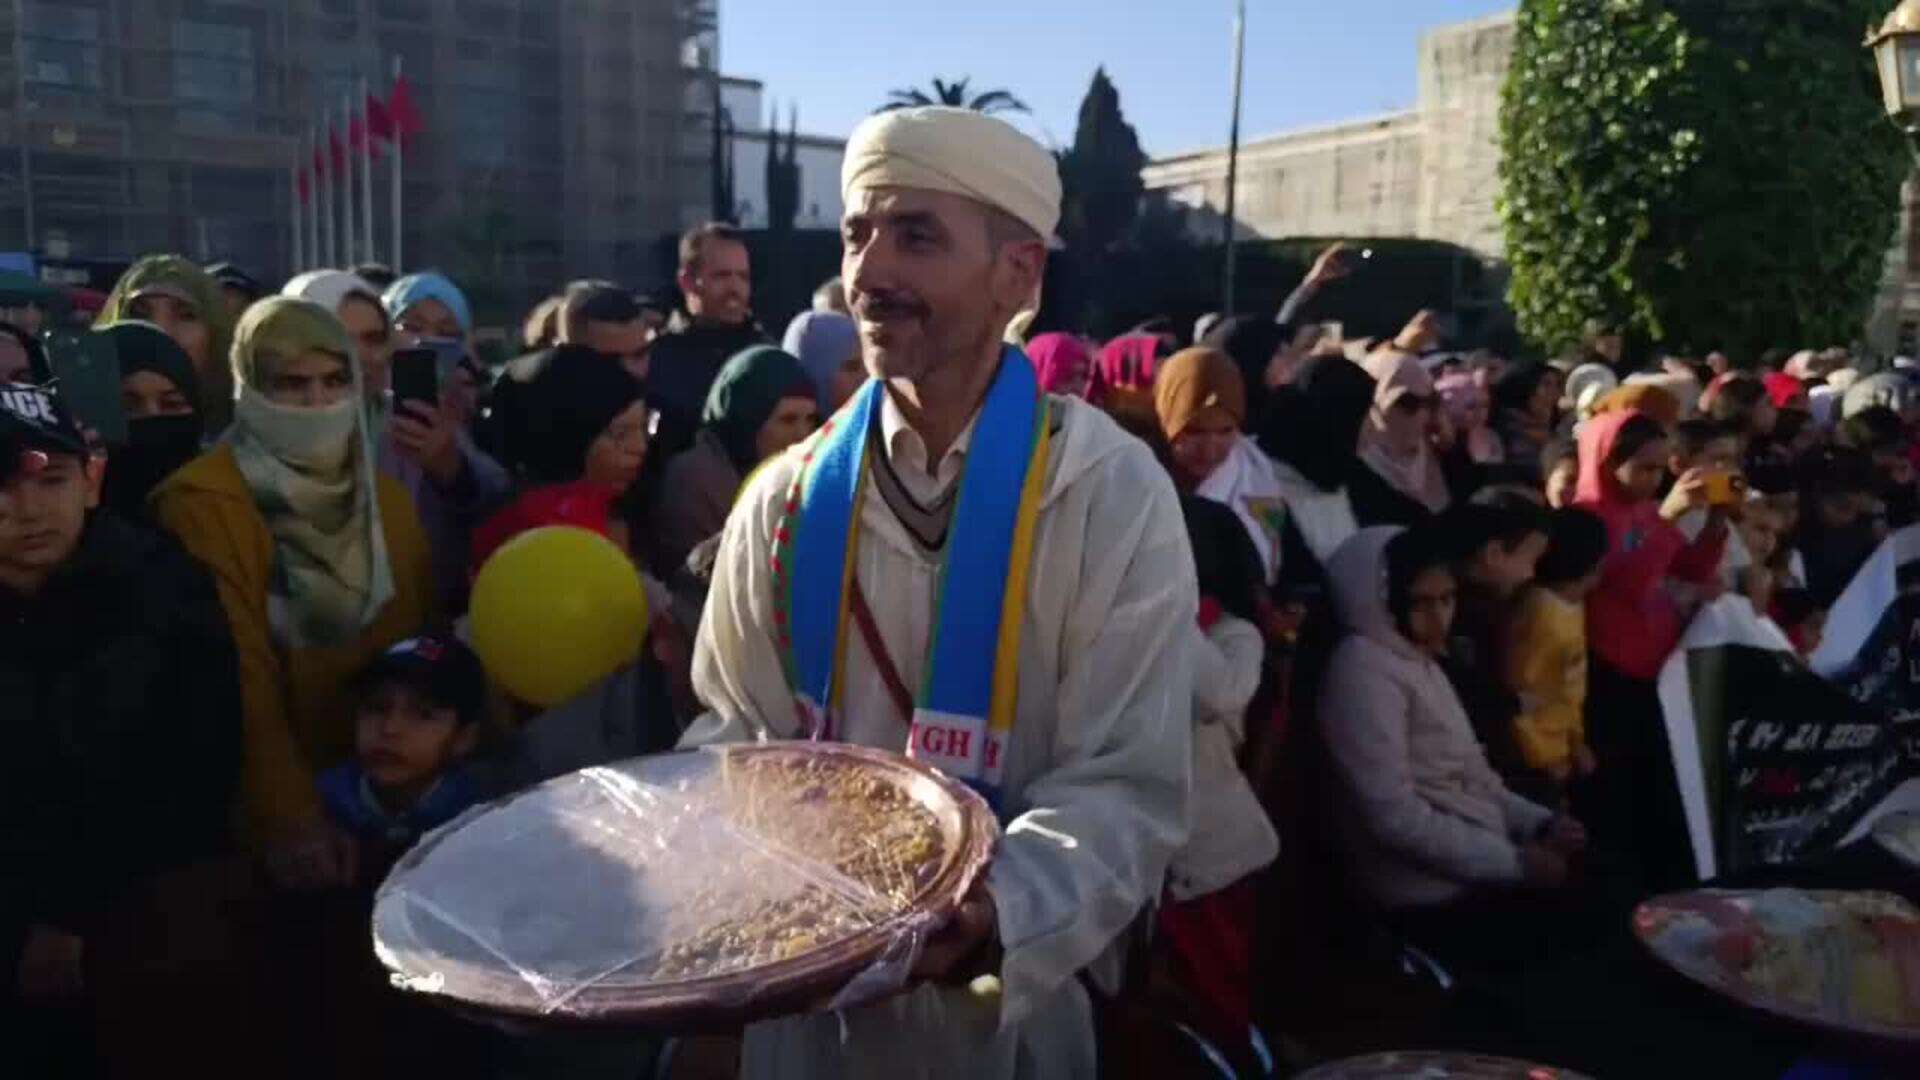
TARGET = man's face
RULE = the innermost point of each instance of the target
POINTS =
(43, 508)
(372, 339)
(15, 365)
(627, 342)
(924, 280)
(720, 287)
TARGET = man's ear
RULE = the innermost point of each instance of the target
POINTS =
(1022, 266)
(687, 279)
(466, 739)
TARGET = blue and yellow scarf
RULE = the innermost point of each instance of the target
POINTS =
(965, 705)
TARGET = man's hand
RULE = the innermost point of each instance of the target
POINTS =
(1422, 332)
(1336, 262)
(314, 856)
(51, 969)
(426, 435)
(1541, 867)
(967, 946)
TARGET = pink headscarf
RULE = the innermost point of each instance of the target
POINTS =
(1056, 358)
(1128, 363)
(1398, 374)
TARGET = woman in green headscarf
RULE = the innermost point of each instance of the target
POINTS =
(320, 561)
(761, 403)
(174, 294)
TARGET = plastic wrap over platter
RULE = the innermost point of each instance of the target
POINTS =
(684, 890)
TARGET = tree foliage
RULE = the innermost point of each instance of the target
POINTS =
(954, 94)
(1704, 171)
(1100, 174)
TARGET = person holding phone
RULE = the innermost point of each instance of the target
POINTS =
(320, 563)
(419, 437)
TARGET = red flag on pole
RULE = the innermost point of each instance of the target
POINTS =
(357, 134)
(379, 123)
(337, 149)
(403, 112)
(305, 181)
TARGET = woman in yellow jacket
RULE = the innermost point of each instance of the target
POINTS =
(320, 562)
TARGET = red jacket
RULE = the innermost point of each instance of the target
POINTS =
(1632, 621)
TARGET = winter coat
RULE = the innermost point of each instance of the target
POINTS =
(1632, 621)
(297, 703)
(1229, 835)
(122, 706)
(1426, 818)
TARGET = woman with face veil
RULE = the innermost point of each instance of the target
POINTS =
(320, 563)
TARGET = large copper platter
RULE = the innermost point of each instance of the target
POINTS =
(686, 890)
(1714, 938)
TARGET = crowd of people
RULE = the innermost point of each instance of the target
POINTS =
(1418, 598)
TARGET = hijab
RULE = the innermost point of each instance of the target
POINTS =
(1399, 375)
(180, 278)
(156, 445)
(1193, 381)
(551, 419)
(330, 289)
(311, 473)
(1127, 363)
(1314, 423)
(1251, 341)
(428, 285)
(822, 341)
(1224, 559)
(1655, 401)
(749, 387)
(1055, 356)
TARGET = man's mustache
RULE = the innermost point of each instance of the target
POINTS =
(875, 307)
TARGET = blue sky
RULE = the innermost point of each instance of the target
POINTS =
(1308, 61)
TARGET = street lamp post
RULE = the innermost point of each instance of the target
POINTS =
(1896, 53)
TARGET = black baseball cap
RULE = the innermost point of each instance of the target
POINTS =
(440, 666)
(34, 422)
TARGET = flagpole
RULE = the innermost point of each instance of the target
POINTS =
(366, 176)
(399, 260)
(348, 219)
(1233, 154)
(323, 193)
(310, 214)
(295, 222)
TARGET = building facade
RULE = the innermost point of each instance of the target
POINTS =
(1432, 173)
(556, 142)
(752, 124)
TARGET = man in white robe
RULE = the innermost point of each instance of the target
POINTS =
(946, 217)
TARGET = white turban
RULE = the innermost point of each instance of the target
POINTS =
(958, 151)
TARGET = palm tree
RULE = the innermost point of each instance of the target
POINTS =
(955, 94)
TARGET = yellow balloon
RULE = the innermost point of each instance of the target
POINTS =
(556, 610)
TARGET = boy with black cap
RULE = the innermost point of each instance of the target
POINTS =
(417, 720)
(121, 700)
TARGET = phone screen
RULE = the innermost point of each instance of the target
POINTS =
(86, 371)
(415, 376)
